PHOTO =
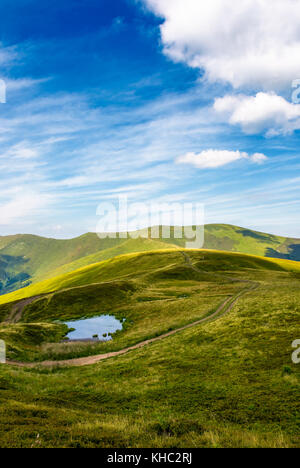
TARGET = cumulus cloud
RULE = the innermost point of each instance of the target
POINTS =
(265, 112)
(250, 43)
(211, 159)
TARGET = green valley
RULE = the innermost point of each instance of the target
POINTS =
(217, 371)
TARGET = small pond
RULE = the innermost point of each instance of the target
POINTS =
(87, 328)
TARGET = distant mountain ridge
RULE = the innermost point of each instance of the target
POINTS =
(26, 259)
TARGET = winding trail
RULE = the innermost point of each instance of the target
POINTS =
(17, 310)
(223, 309)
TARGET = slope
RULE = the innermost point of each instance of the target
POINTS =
(26, 259)
(229, 383)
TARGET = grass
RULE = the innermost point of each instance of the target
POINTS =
(154, 293)
(24, 340)
(27, 259)
(125, 247)
(132, 265)
(228, 383)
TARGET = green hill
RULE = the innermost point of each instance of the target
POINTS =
(225, 383)
(135, 265)
(26, 259)
(237, 239)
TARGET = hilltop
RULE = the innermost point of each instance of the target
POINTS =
(26, 259)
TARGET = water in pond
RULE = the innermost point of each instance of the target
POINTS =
(87, 328)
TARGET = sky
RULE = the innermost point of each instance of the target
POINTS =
(160, 100)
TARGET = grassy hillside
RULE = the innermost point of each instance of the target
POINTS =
(228, 383)
(126, 247)
(237, 239)
(140, 288)
(132, 265)
(30, 258)
(155, 292)
(26, 259)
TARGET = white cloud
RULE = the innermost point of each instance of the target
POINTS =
(7, 54)
(211, 159)
(17, 85)
(19, 158)
(21, 206)
(249, 43)
(265, 112)
(22, 151)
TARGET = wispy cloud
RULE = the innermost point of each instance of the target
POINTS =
(22, 206)
(97, 119)
(8, 55)
(23, 83)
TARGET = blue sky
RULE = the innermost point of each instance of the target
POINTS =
(154, 99)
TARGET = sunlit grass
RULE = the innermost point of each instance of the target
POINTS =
(228, 383)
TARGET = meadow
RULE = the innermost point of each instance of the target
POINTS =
(225, 383)
(28, 259)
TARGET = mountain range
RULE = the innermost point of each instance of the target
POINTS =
(27, 259)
